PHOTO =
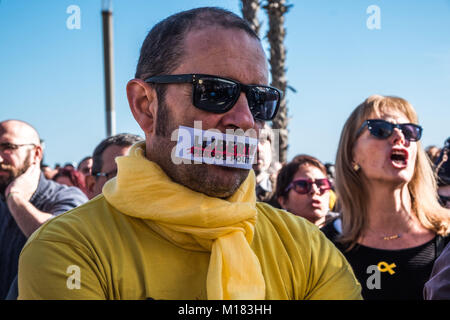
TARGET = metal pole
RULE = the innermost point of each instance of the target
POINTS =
(109, 69)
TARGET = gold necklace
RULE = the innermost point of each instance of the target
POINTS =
(393, 237)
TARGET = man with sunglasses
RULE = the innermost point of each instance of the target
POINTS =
(168, 230)
(104, 166)
(27, 198)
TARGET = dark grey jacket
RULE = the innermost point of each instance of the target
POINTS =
(50, 197)
(438, 287)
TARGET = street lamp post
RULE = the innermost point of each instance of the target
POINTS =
(109, 67)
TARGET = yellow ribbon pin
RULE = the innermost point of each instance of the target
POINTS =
(383, 267)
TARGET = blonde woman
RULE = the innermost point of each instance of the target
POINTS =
(393, 227)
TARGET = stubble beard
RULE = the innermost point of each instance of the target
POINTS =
(5, 181)
(212, 180)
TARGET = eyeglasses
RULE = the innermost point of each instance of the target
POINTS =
(219, 95)
(383, 129)
(108, 175)
(303, 186)
(8, 148)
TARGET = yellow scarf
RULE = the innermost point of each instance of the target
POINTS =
(194, 221)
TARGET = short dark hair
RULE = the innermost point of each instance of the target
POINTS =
(288, 171)
(121, 139)
(162, 49)
(75, 176)
(83, 160)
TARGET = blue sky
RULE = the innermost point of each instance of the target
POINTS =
(52, 77)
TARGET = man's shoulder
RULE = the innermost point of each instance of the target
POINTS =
(87, 218)
(279, 218)
(50, 193)
(298, 250)
(279, 225)
(61, 190)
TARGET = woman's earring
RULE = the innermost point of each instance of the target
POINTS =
(356, 167)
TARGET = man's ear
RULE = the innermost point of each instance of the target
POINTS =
(143, 103)
(282, 202)
(90, 183)
(37, 154)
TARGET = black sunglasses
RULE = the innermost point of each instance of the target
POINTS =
(383, 129)
(219, 95)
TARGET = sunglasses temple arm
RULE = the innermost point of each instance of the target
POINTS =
(361, 128)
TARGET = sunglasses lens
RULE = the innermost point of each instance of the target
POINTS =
(323, 184)
(301, 186)
(263, 102)
(411, 132)
(381, 129)
(215, 95)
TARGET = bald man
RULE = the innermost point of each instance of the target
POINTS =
(27, 198)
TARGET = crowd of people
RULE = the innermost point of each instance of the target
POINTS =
(136, 225)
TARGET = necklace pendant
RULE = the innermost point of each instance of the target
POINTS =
(395, 236)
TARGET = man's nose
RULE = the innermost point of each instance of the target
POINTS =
(240, 115)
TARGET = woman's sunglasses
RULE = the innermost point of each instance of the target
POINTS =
(383, 129)
(219, 95)
(303, 186)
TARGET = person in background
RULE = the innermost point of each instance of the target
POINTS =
(303, 189)
(27, 198)
(104, 166)
(262, 167)
(393, 227)
(443, 173)
(68, 165)
(71, 177)
(438, 286)
(331, 173)
(85, 166)
(163, 229)
(432, 153)
(49, 173)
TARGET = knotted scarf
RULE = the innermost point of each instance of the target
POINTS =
(194, 221)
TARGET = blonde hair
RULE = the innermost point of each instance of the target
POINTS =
(352, 191)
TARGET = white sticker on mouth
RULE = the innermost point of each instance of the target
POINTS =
(213, 147)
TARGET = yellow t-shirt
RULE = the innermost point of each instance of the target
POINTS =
(96, 252)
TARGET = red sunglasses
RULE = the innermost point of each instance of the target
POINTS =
(303, 186)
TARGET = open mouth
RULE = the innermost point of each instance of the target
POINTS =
(316, 203)
(399, 158)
